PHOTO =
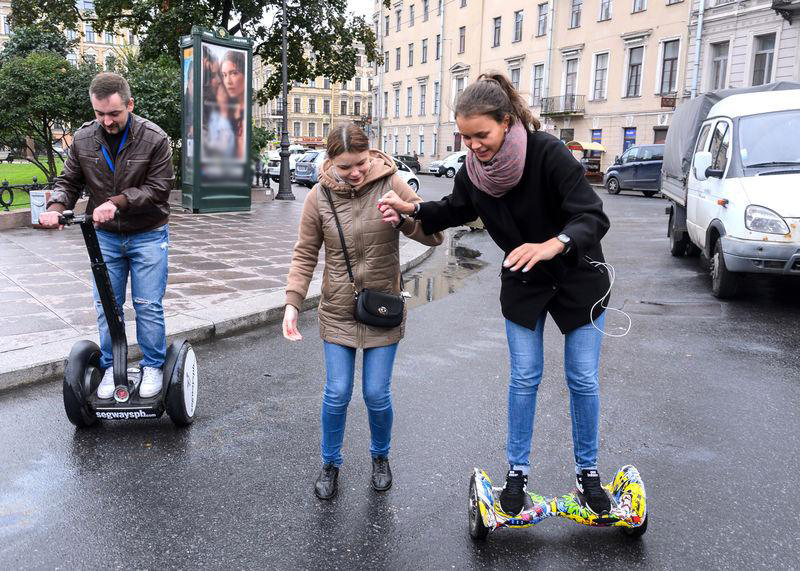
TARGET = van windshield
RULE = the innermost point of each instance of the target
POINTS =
(770, 140)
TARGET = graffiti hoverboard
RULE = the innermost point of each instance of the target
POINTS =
(82, 374)
(628, 506)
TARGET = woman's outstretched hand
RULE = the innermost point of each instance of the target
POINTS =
(392, 200)
(290, 330)
(390, 215)
(527, 255)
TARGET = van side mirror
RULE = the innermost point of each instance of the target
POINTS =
(702, 163)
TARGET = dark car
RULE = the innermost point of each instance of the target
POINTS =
(639, 168)
(410, 161)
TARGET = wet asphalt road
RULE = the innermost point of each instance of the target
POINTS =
(701, 396)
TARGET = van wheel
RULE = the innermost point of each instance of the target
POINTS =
(612, 185)
(724, 284)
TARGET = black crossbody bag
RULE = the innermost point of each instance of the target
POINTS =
(374, 308)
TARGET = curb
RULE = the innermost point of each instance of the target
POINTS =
(46, 362)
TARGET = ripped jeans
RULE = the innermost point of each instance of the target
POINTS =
(144, 255)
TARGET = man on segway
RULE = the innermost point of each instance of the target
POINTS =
(125, 163)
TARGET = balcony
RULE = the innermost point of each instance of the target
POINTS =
(787, 8)
(563, 105)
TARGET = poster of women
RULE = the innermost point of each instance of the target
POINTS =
(224, 113)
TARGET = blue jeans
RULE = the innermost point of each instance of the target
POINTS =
(144, 255)
(581, 362)
(340, 364)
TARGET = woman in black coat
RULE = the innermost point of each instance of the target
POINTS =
(536, 204)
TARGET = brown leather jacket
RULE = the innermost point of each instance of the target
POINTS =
(373, 247)
(140, 185)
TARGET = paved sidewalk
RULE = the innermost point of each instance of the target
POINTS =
(226, 273)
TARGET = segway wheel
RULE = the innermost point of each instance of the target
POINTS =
(182, 390)
(81, 377)
(636, 532)
(477, 530)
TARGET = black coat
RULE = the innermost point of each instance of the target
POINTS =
(553, 197)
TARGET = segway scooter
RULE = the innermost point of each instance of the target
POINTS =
(628, 506)
(82, 375)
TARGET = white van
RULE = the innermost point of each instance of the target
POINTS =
(742, 204)
(449, 165)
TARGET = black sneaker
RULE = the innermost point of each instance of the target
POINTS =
(327, 483)
(515, 493)
(381, 474)
(588, 484)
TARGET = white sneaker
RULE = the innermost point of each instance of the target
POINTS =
(152, 379)
(106, 388)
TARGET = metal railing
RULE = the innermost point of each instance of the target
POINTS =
(7, 191)
(564, 105)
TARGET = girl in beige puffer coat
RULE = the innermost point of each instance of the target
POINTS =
(356, 178)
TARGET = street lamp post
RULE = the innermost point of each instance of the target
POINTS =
(285, 183)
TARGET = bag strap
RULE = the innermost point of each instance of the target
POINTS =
(341, 237)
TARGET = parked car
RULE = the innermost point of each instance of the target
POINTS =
(307, 167)
(410, 161)
(274, 161)
(449, 165)
(639, 168)
(404, 172)
(731, 173)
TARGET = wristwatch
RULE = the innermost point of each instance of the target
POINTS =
(567, 241)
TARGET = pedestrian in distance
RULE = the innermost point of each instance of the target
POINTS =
(536, 204)
(125, 163)
(352, 180)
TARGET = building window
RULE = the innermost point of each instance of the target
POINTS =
(385, 104)
(399, 14)
(536, 88)
(571, 76)
(462, 39)
(764, 57)
(423, 92)
(109, 38)
(410, 55)
(326, 128)
(605, 10)
(567, 135)
(297, 105)
(459, 88)
(131, 38)
(386, 26)
(385, 63)
(434, 143)
(369, 109)
(639, 5)
(438, 46)
(343, 107)
(496, 33)
(358, 84)
(385, 147)
(357, 108)
(326, 106)
(518, 25)
(408, 144)
(421, 145)
(634, 83)
(296, 127)
(575, 14)
(409, 100)
(326, 83)
(424, 54)
(397, 103)
(436, 96)
(515, 78)
(669, 67)
(312, 129)
(89, 33)
(541, 21)
(88, 5)
(463, 3)
(396, 144)
(600, 77)
(71, 35)
(72, 59)
(397, 58)
(410, 15)
(628, 138)
(425, 7)
(312, 104)
(719, 65)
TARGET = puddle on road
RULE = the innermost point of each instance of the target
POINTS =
(444, 272)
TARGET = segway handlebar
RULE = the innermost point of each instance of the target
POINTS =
(69, 217)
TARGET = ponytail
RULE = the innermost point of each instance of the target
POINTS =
(494, 95)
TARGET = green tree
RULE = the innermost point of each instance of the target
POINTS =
(321, 33)
(261, 138)
(26, 40)
(39, 94)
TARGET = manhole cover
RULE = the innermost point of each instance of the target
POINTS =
(673, 308)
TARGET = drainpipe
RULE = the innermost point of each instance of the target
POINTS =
(441, 84)
(548, 61)
(379, 98)
(697, 46)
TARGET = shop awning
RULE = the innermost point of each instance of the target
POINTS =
(584, 146)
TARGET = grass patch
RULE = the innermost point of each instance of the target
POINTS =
(23, 173)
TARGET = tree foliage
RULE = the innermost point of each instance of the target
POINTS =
(26, 40)
(322, 35)
(261, 138)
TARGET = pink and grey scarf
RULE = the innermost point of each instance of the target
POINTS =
(504, 171)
